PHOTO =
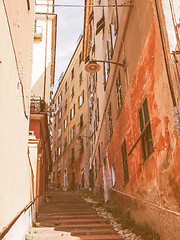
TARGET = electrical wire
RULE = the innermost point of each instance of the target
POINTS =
(126, 4)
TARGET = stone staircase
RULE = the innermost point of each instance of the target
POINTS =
(68, 216)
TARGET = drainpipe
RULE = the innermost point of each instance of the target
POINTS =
(168, 73)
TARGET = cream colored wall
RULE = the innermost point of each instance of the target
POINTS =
(38, 88)
(33, 154)
(42, 50)
(15, 173)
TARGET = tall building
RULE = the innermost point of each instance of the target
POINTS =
(41, 92)
(44, 50)
(16, 190)
(134, 108)
(70, 126)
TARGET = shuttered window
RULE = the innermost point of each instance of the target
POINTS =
(145, 128)
(124, 163)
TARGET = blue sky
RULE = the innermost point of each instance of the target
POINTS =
(69, 28)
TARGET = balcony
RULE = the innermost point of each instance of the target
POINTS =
(37, 105)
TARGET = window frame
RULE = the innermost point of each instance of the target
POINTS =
(124, 162)
(145, 129)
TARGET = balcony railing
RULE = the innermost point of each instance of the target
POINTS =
(37, 105)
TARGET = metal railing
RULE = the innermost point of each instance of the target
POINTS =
(37, 105)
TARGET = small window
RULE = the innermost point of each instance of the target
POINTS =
(72, 93)
(118, 92)
(65, 142)
(72, 155)
(110, 121)
(65, 123)
(80, 78)
(65, 87)
(124, 163)
(81, 99)
(80, 58)
(72, 132)
(115, 17)
(81, 146)
(110, 42)
(97, 115)
(60, 113)
(94, 82)
(65, 107)
(81, 121)
(99, 155)
(106, 66)
(145, 127)
(59, 151)
(60, 98)
(72, 74)
(72, 112)
(59, 132)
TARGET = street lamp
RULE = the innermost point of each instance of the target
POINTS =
(94, 67)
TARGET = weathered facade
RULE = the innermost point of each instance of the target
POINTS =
(134, 110)
(16, 43)
(70, 132)
(39, 135)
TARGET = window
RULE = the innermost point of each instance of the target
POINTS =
(65, 107)
(72, 132)
(100, 24)
(72, 93)
(81, 121)
(59, 169)
(72, 112)
(94, 81)
(110, 42)
(145, 127)
(60, 98)
(59, 151)
(106, 66)
(72, 155)
(113, 174)
(65, 123)
(72, 74)
(59, 132)
(110, 121)
(65, 87)
(99, 155)
(80, 58)
(97, 115)
(90, 37)
(115, 17)
(124, 163)
(118, 92)
(82, 145)
(81, 99)
(54, 157)
(65, 142)
(80, 78)
(60, 113)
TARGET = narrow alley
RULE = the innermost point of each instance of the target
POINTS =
(90, 119)
(71, 215)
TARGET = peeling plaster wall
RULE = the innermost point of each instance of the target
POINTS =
(153, 185)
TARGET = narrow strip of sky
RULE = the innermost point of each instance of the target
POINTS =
(69, 29)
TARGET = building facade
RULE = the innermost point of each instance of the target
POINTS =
(70, 132)
(16, 46)
(44, 50)
(134, 109)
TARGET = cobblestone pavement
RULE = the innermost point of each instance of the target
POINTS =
(67, 216)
